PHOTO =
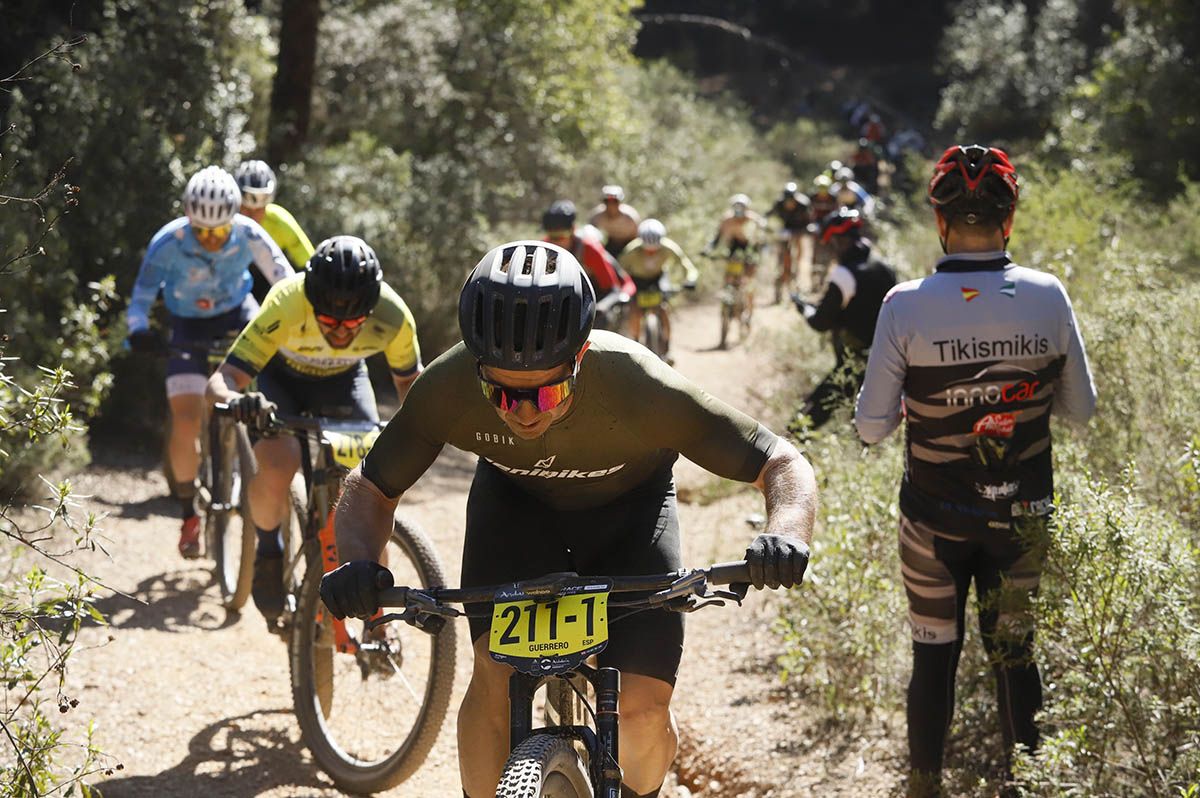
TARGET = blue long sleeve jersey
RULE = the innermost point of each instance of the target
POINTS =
(196, 283)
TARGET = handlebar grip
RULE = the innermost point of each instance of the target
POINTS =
(221, 408)
(384, 580)
(729, 573)
(393, 597)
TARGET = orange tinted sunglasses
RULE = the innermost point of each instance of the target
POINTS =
(349, 324)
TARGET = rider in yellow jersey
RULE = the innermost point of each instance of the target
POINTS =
(257, 182)
(740, 234)
(649, 259)
(307, 348)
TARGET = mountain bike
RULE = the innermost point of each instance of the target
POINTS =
(546, 630)
(226, 464)
(653, 303)
(370, 703)
(737, 296)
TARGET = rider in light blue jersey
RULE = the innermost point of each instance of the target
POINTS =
(200, 264)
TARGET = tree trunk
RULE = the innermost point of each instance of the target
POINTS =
(291, 93)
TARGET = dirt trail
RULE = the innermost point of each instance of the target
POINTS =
(195, 702)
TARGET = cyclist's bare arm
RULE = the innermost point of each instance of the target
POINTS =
(226, 384)
(790, 489)
(363, 522)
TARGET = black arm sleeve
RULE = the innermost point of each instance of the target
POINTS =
(826, 314)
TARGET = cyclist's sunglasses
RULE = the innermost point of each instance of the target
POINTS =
(544, 397)
(212, 233)
(349, 324)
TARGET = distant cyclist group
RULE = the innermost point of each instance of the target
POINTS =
(577, 428)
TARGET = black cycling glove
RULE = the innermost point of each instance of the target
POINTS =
(146, 342)
(353, 588)
(252, 409)
(777, 561)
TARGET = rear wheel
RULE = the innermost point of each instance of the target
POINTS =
(652, 332)
(369, 712)
(726, 315)
(545, 766)
(227, 531)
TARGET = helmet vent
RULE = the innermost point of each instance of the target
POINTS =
(551, 262)
(543, 321)
(506, 259)
(497, 341)
(520, 312)
(564, 319)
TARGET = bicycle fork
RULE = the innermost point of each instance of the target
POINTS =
(602, 747)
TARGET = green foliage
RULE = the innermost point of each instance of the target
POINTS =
(1121, 636)
(1007, 68)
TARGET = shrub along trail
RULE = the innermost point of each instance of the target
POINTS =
(194, 702)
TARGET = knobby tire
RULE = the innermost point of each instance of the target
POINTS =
(312, 664)
(545, 766)
(230, 463)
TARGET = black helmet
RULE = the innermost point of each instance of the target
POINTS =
(559, 216)
(526, 306)
(842, 222)
(343, 278)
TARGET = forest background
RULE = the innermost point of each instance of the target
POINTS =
(435, 130)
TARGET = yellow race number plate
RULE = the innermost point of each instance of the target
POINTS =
(649, 299)
(349, 448)
(550, 634)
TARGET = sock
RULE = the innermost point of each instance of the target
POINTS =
(270, 542)
(186, 496)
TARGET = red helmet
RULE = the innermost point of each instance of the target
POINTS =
(974, 180)
(842, 222)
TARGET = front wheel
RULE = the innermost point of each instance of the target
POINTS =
(228, 531)
(371, 703)
(545, 766)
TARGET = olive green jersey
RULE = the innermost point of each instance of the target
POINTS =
(667, 257)
(287, 326)
(630, 415)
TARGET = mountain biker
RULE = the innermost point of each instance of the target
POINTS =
(794, 211)
(649, 259)
(257, 182)
(577, 431)
(618, 221)
(848, 309)
(610, 281)
(865, 164)
(976, 357)
(740, 234)
(307, 347)
(200, 264)
(850, 194)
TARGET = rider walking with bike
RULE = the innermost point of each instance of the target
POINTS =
(975, 358)
(577, 431)
(847, 310)
(307, 348)
(199, 263)
(649, 259)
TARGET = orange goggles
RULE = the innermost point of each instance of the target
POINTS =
(349, 324)
(212, 233)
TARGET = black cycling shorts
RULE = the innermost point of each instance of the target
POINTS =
(347, 395)
(513, 536)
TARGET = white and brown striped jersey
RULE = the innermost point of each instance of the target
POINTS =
(975, 358)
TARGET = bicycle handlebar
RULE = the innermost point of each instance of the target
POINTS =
(666, 586)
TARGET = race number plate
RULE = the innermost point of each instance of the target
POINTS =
(649, 299)
(550, 634)
(349, 448)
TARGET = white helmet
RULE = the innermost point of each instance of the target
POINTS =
(651, 232)
(844, 175)
(212, 197)
(740, 203)
(257, 182)
(590, 232)
(613, 191)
